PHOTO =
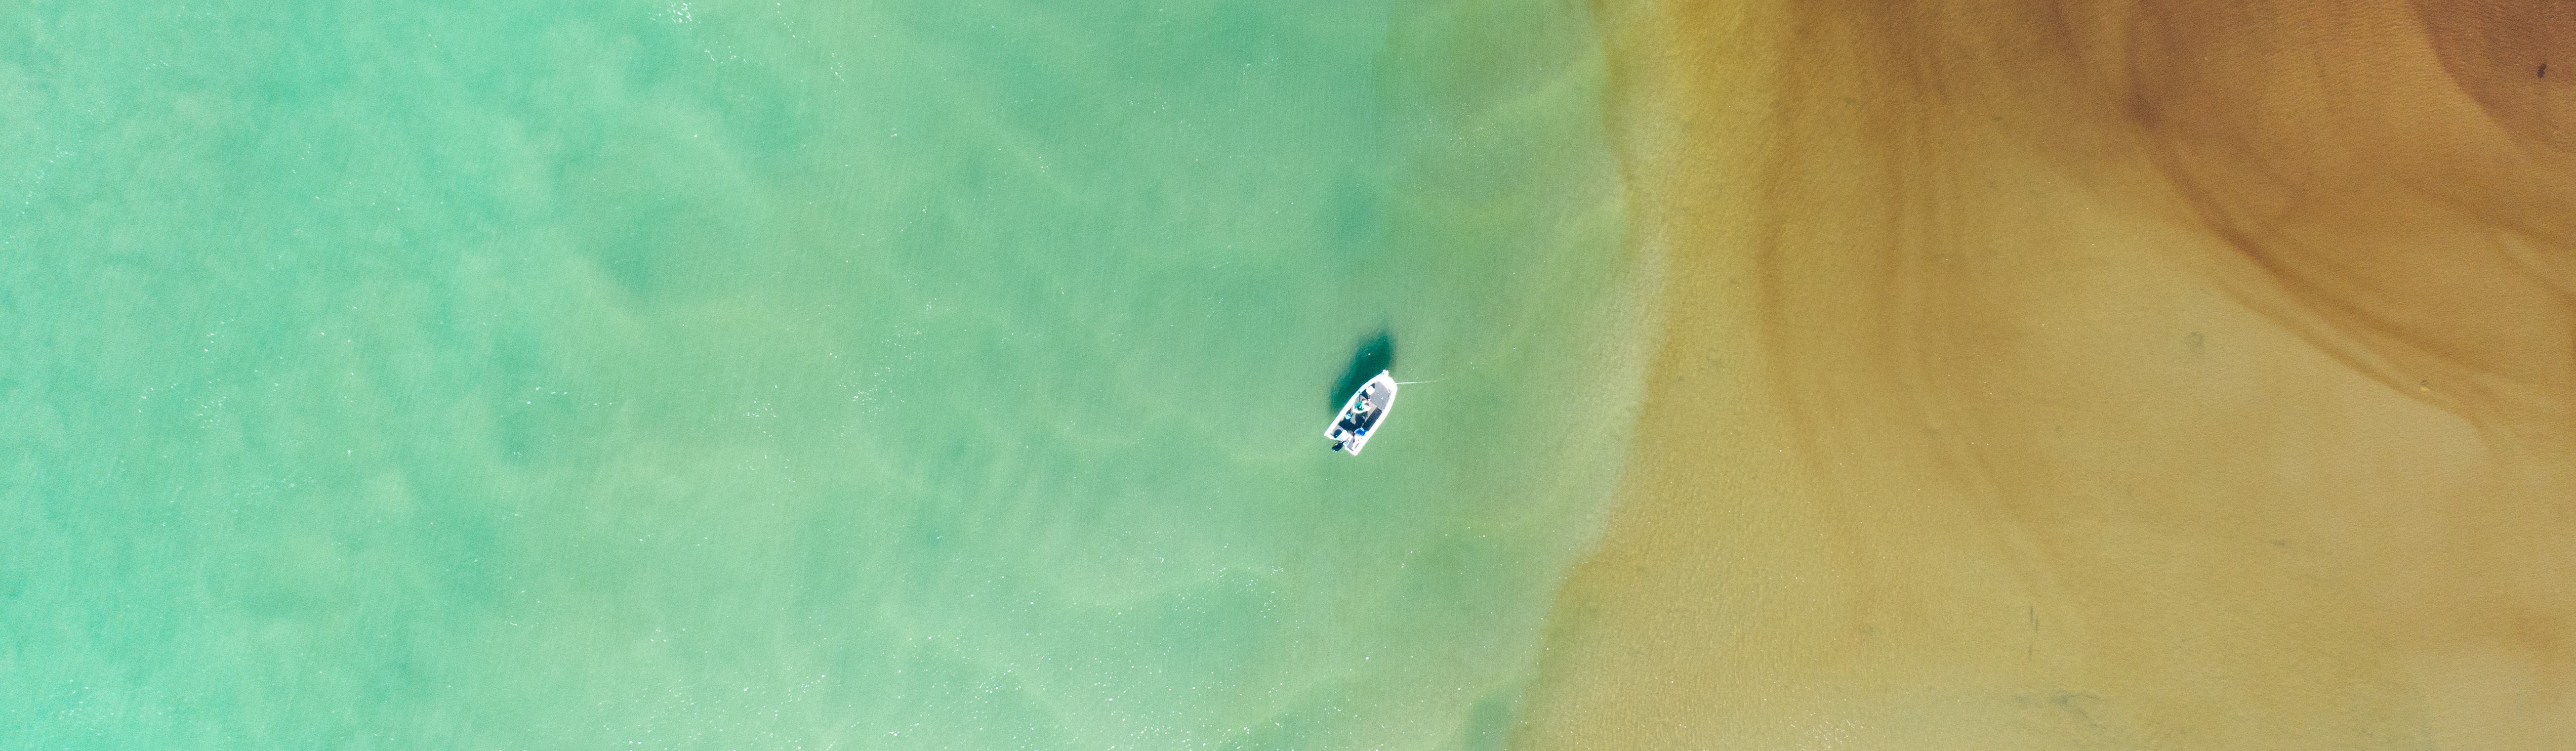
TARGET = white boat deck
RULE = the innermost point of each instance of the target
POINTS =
(1363, 414)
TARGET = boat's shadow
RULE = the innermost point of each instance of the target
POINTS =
(1375, 353)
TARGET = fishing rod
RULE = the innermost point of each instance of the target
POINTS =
(1471, 367)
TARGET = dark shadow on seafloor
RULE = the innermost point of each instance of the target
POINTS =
(1373, 354)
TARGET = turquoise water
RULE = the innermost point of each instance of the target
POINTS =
(909, 375)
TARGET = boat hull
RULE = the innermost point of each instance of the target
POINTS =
(1362, 414)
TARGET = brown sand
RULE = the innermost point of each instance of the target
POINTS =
(2092, 374)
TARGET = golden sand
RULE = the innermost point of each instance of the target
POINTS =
(2095, 374)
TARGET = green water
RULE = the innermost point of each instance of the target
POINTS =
(901, 375)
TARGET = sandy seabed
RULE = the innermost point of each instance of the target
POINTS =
(2091, 374)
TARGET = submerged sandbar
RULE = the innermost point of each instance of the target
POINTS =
(2132, 375)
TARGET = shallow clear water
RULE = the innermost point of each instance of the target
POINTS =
(785, 375)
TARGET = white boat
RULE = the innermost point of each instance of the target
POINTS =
(1363, 414)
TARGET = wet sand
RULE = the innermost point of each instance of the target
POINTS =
(2187, 375)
